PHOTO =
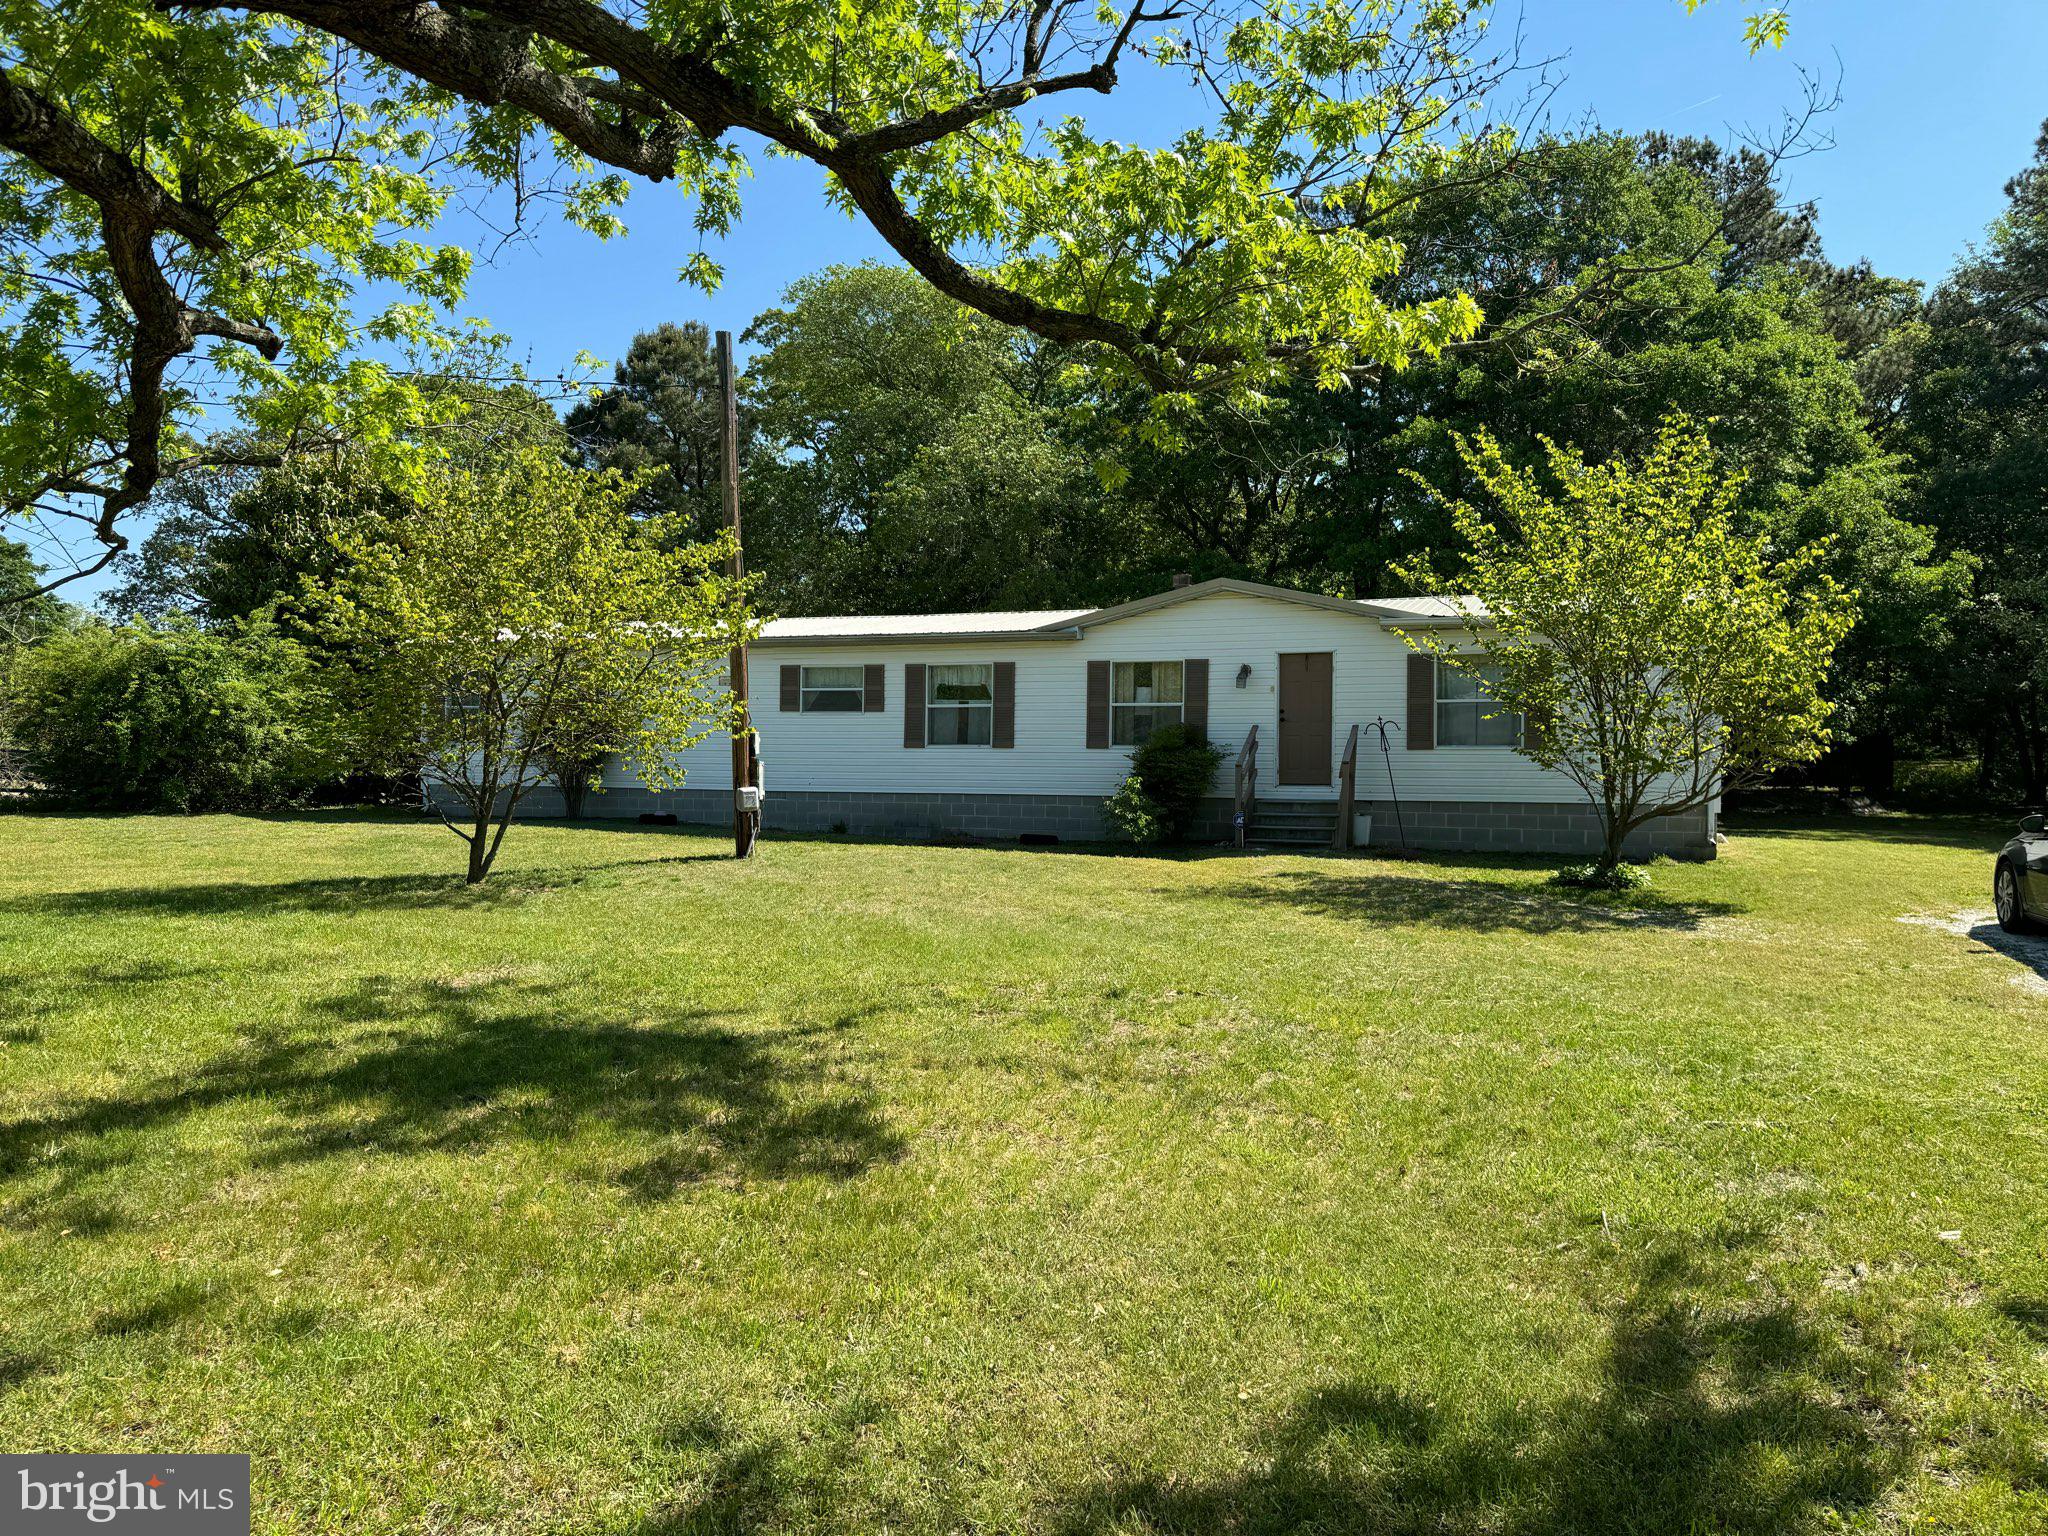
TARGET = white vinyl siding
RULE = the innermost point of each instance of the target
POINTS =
(864, 753)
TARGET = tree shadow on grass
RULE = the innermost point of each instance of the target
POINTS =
(1483, 906)
(748, 1488)
(20, 1366)
(2030, 1313)
(752, 1481)
(394, 1068)
(164, 1309)
(27, 998)
(352, 893)
(1709, 1414)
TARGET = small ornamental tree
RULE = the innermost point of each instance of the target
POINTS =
(1657, 653)
(506, 610)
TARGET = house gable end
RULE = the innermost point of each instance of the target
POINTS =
(1221, 586)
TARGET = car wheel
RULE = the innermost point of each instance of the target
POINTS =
(2005, 896)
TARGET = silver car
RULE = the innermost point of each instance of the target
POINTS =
(2019, 886)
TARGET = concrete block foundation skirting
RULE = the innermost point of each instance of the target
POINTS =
(1452, 825)
(1528, 827)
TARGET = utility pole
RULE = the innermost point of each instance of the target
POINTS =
(746, 752)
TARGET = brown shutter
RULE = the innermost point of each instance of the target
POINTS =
(1194, 693)
(871, 688)
(1003, 722)
(913, 704)
(792, 689)
(1421, 731)
(1098, 704)
(1535, 729)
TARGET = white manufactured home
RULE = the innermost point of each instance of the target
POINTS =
(1014, 724)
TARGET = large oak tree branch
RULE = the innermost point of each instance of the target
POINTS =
(134, 210)
(492, 64)
(38, 129)
(485, 56)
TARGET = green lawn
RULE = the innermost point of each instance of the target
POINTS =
(876, 1188)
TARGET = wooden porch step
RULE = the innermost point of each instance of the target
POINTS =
(1300, 825)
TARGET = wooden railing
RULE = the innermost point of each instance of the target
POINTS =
(1347, 791)
(1246, 791)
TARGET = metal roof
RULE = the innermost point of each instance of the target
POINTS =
(1067, 623)
(1427, 612)
(1044, 624)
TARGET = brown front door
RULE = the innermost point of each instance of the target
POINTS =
(1305, 717)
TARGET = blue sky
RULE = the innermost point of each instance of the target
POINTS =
(1941, 104)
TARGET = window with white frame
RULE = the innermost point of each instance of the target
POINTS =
(960, 705)
(1143, 696)
(1467, 714)
(833, 690)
